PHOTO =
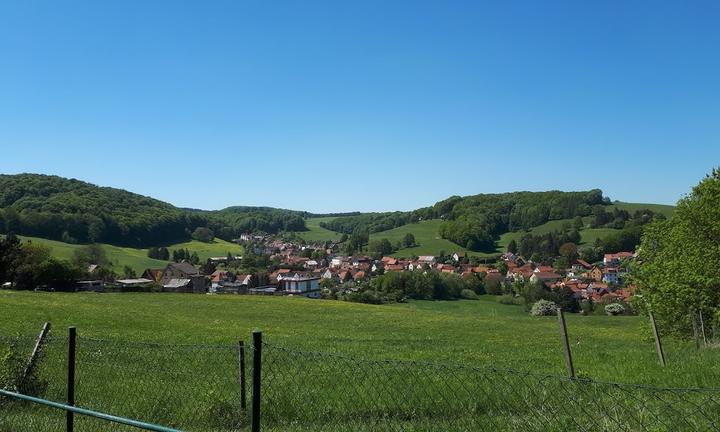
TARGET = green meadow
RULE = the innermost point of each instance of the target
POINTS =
(137, 258)
(480, 333)
(316, 232)
(172, 359)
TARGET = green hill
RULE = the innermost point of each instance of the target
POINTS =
(74, 211)
(137, 258)
(430, 243)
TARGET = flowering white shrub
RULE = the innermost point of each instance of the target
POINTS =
(543, 308)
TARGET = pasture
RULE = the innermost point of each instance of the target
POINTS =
(316, 232)
(479, 333)
(137, 258)
(172, 359)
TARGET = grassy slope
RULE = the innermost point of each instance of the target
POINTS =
(316, 232)
(426, 236)
(480, 333)
(137, 258)
(667, 210)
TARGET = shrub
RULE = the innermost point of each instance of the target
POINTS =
(614, 309)
(543, 308)
(468, 294)
(587, 307)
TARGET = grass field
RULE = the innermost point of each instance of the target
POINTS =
(172, 359)
(316, 232)
(666, 210)
(137, 259)
(474, 332)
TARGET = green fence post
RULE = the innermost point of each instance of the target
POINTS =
(257, 363)
(72, 333)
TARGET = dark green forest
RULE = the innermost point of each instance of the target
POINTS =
(74, 211)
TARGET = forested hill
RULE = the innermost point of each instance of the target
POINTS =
(78, 212)
(476, 221)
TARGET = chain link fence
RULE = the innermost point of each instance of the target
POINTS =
(323, 392)
(198, 388)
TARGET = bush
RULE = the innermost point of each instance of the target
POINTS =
(614, 309)
(587, 307)
(543, 308)
(509, 299)
(468, 294)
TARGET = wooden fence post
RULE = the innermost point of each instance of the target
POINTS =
(257, 364)
(30, 365)
(72, 333)
(566, 344)
(696, 335)
(702, 330)
(658, 344)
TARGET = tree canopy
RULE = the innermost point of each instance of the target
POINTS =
(680, 259)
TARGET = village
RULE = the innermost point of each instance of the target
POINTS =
(313, 269)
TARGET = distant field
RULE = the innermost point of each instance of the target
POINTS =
(667, 210)
(427, 238)
(137, 259)
(317, 233)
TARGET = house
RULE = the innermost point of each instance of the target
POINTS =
(596, 274)
(327, 274)
(544, 277)
(336, 261)
(359, 275)
(389, 261)
(182, 277)
(358, 261)
(426, 259)
(583, 264)
(614, 259)
(610, 276)
(153, 274)
(300, 284)
(135, 283)
(457, 256)
(394, 267)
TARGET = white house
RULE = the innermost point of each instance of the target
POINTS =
(610, 276)
(297, 284)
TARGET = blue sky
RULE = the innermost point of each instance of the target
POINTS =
(371, 105)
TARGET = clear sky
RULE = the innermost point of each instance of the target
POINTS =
(363, 105)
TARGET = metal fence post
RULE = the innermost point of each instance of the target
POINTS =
(71, 377)
(257, 363)
(658, 344)
(566, 344)
(243, 401)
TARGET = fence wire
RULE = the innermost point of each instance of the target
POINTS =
(197, 388)
(324, 392)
